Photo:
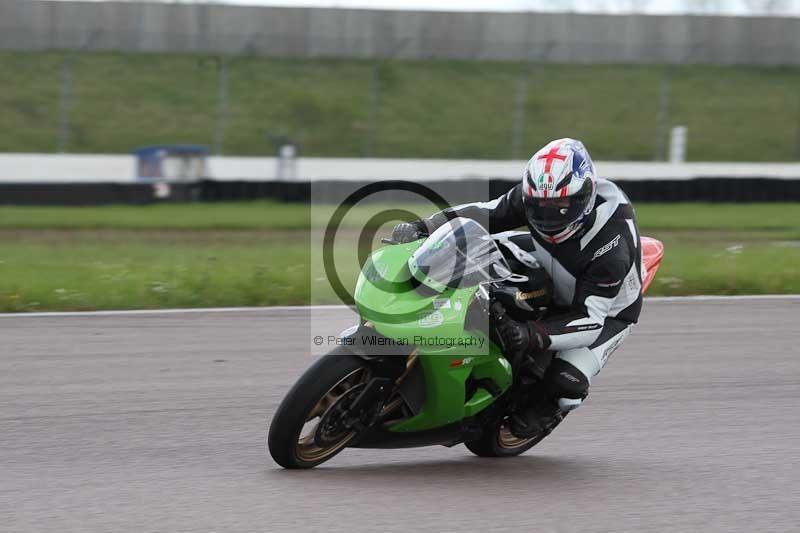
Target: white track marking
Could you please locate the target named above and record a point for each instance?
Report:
(711, 298)
(653, 299)
(176, 311)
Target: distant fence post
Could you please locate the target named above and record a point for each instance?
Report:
(532, 67)
(66, 95)
(518, 119)
(374, 97)
(662, 117)
(797, 134)
(65, 102)
(665, 99)
(372, 112)
(223, 78)
(222, 104)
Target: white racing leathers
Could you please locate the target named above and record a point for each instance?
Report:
(596, 276)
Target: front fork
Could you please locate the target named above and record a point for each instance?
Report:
(366, 409)
(385, 370)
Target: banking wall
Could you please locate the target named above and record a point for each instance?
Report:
(296, 32)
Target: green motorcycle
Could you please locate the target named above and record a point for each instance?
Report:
(423, 366)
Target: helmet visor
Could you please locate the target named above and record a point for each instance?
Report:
(553, 215)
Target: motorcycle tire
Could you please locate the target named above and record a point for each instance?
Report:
(498, 441)
(314, 395)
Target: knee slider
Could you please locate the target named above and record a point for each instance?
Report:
(566, 381)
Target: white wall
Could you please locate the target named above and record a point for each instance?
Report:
(28, 168)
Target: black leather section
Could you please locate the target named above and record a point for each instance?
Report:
(566, 381)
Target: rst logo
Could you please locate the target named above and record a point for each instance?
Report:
(606, 247)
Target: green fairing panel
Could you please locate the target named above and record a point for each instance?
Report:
(448, 354)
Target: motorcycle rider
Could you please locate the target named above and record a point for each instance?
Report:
(584, 234)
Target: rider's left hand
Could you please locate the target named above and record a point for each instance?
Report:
(407, 232)
(523, 336)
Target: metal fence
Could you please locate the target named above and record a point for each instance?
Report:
(83, 101)
(107, 77)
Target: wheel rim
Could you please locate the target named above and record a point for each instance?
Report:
(306, 448)
(507, 440)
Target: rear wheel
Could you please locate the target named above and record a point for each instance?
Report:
(309, 426)
(498, 441)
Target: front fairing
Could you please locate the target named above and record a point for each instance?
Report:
(386, 297)
(449, 354)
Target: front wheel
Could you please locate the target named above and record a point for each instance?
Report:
(308, 427)
(498, 441)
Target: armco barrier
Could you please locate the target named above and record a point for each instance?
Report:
(455, 191)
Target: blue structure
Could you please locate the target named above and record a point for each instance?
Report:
(176, 162)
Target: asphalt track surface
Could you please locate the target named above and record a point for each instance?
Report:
(138, 423)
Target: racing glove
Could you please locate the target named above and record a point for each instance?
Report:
(408, 232)
(523, 336)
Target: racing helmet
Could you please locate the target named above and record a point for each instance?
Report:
(558, 189)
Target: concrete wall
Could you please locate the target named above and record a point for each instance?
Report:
(552, 37)
(70, 168)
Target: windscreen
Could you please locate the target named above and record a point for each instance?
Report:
(459, 254)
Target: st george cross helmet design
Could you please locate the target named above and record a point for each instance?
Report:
(558, 189)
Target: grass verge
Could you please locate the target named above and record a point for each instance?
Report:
(258, 254)
(434, 108)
